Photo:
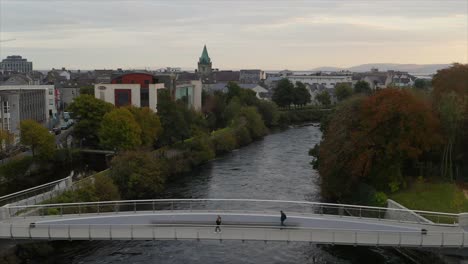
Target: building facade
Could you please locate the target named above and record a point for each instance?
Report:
(18, 103)
(327, 81)
(16, 63)
(251, 76)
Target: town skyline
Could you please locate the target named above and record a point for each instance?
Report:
(122, 34)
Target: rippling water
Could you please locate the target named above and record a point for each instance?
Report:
(275, 168)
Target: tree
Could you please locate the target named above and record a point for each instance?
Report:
(343, 91)
(323, 98)
(36, 136)
(175, 127)
(89, 113)
(369, 139)
(234, 90)
(269, 112)
(119, 130)
(213, 108)
(301, 94)
(450, 97)
(6, 139)
(138, 174)
(87, 89)
(421, 84)
(451, 117)
(252, 120)
(149, 124)
(283, 94)
(362, 87)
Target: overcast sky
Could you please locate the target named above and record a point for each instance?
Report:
(292, 34)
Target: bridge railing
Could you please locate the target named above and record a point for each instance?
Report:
(233, 205)
(233, 232)
(27, 196)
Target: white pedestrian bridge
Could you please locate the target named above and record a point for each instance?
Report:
(242, 219)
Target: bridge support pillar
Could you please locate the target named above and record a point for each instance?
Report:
(463, 219)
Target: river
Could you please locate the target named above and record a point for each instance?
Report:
(276, 167)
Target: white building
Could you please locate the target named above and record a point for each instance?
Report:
(328, 81)
(22, 102)
(190, 91)
(128, 94)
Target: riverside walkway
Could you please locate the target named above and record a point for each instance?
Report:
(242, 219)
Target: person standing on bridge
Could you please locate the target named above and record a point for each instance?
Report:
(283, 218)
(218, 224)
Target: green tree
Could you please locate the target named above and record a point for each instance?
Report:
(149, 124)
(450, 97)
(175, 127)
(301, 94)
(6, 139)
(87, 89)
(269, 112)
(138, 174)
(283, 94)
(252, 120)
(451, 116)
(323, 98)
(89, 113)
(343, 91)
(36, 136)
(421, 84)
(234, 90)
(362, 87)
(119, 130)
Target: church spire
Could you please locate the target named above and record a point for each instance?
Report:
(204, 59)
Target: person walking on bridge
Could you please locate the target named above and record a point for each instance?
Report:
(218, 224)
(283, 218)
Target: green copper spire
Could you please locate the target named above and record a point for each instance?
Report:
(204, 59)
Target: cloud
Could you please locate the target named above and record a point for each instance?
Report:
(237, 32)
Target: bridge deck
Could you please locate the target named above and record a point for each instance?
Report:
(236, 226)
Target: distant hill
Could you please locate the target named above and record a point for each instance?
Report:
(412, 68)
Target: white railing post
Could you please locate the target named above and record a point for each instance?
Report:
(153, 205)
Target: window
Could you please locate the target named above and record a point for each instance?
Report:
(123, 97)
(6, 107)
(6, 124)
(102, 95)
(51, 92)
(51, 101)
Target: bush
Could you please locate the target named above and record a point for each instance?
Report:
(243, 136)
(224, 142)
(380, 199)
(138, 174)
(201, 149)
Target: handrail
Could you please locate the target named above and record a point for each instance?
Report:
(120, 202)
(33, 188)
(38, 225)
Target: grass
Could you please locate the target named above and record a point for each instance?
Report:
(439, 197)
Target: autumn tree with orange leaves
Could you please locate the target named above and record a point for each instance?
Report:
(370, 138)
